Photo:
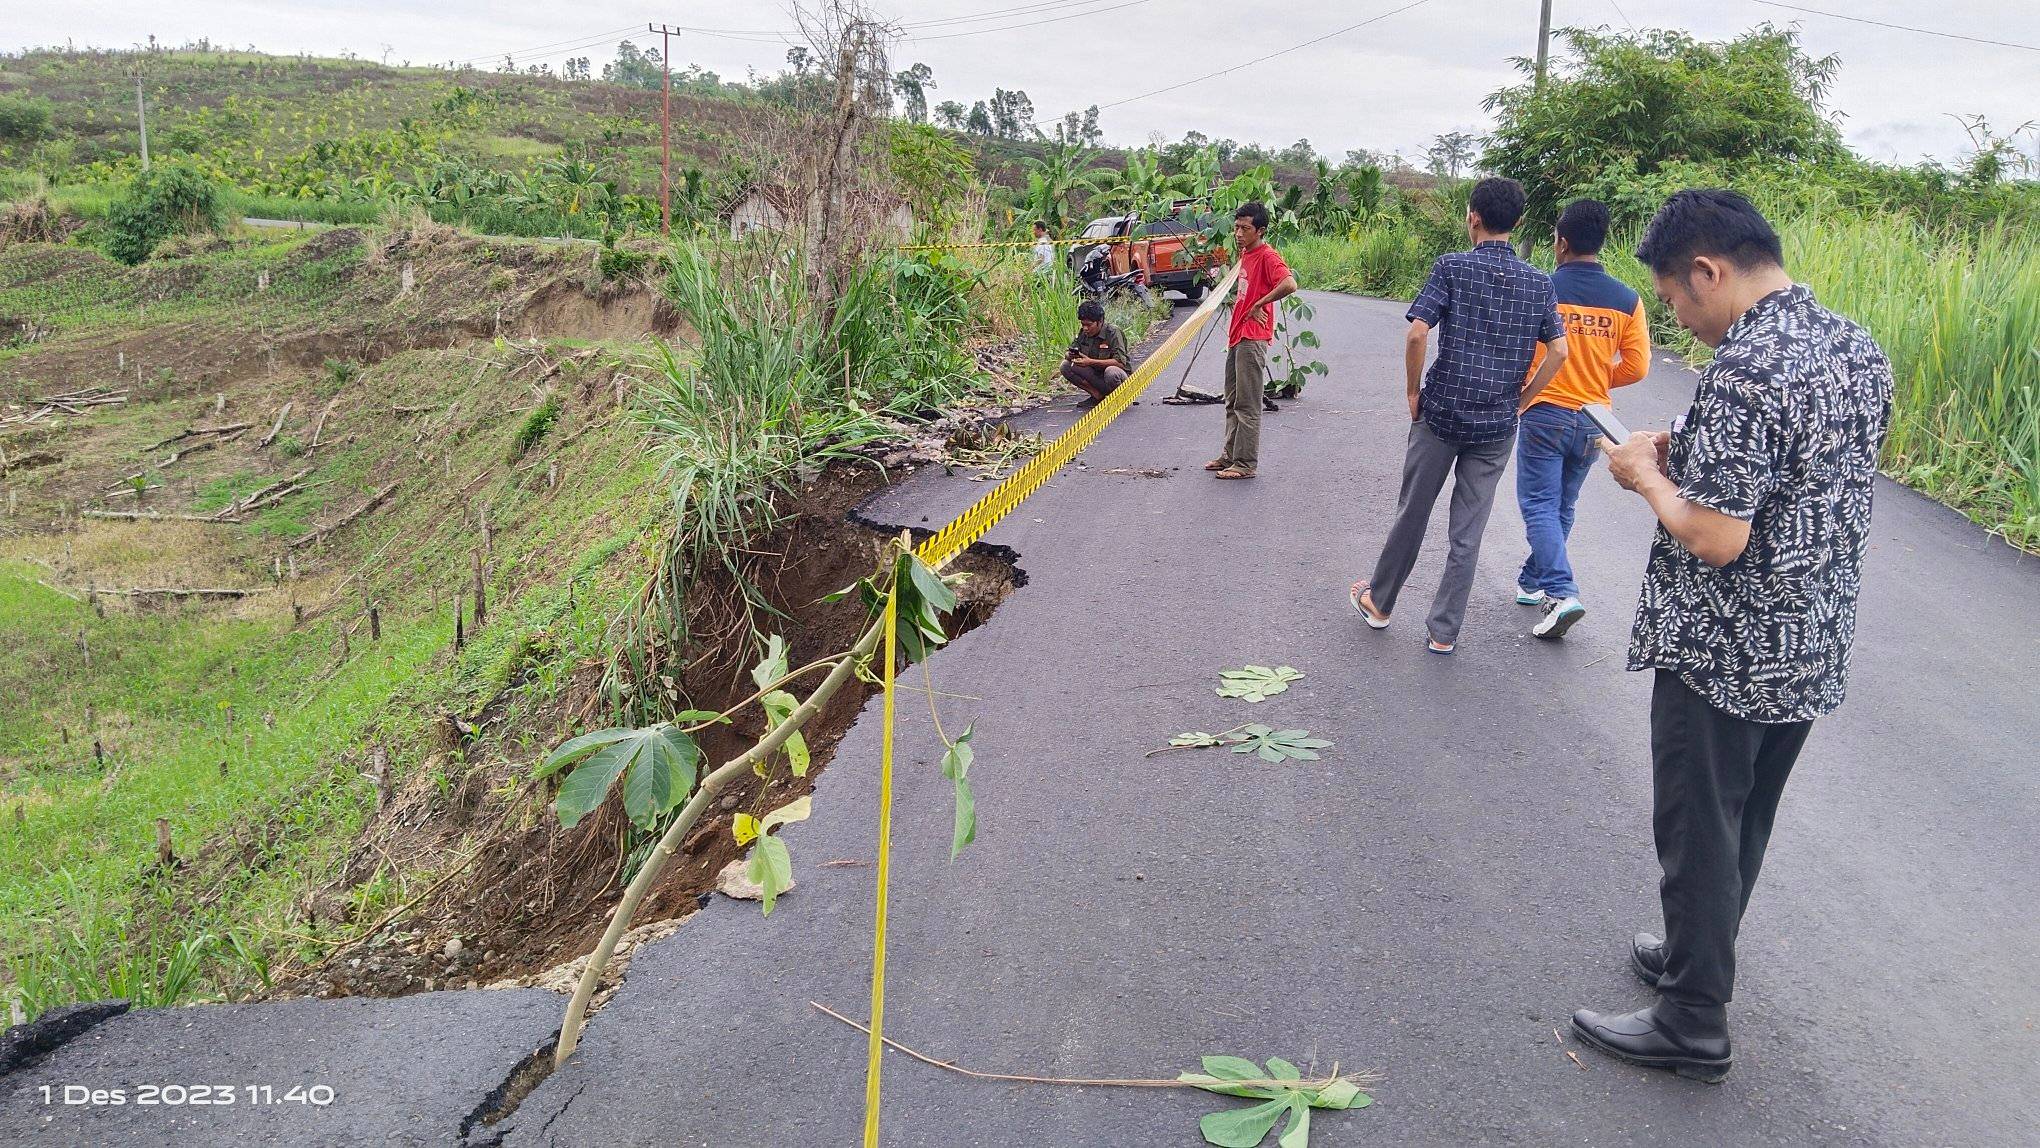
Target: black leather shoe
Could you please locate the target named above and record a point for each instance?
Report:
(1639, 1039)
(1647, 957)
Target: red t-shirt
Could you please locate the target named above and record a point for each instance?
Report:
(1260, 270)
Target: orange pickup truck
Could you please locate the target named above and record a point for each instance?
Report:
(1155, 247)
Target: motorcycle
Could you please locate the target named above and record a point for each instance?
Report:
(1096, 281)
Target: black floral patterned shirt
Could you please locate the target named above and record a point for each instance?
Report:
(1783, 433)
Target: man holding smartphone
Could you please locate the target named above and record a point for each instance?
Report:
(1096, 362)
(1748, 609)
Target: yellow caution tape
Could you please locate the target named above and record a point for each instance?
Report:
(972, 524)
(937, 552)
(885, 759)
(1079, 242)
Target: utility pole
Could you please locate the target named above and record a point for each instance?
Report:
(1543, 39)
(665, 126)
(142, 116)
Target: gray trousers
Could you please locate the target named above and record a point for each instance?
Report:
(1429, 460)
(1246, 381)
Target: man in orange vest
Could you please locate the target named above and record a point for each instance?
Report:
(1610, 341)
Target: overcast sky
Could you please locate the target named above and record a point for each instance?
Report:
(1390, 86)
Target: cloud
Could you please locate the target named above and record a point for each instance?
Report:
(1391, 86)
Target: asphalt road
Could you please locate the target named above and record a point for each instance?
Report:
(412, 1071)
(1431, 900)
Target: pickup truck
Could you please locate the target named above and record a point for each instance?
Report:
(1155, 247)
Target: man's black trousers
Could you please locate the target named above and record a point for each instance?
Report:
(1717, 779)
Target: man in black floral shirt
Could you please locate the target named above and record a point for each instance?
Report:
(1762, 493)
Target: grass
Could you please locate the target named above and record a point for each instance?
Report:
(174, 694)
(1041, 311)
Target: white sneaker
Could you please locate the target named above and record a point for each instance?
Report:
(1559, 617)
(1525, 596)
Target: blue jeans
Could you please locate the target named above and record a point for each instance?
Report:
(1554, 451)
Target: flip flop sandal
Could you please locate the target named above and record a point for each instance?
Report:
(1359, 590)
(1218, 464)
(1234, 472)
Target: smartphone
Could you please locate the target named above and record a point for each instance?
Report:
(1604, 418)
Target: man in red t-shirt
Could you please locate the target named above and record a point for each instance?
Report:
(1264, 281)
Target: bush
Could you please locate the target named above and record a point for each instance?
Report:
(619, 262)
(160, 203)
(24, 118)
(539, 421)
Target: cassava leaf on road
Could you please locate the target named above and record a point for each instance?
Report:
(1297, 1135)
(1278, 745)
(1341, 1093)
(1242, 1127)
(1256, 683)
(1201, 740)
(1281, 1090)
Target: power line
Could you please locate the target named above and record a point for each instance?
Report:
(1901, 27)
(1269, 56)
(1624, 15)
(991, 14)
(556, 46)
(1031, 23)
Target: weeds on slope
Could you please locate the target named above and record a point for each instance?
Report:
(771, 393)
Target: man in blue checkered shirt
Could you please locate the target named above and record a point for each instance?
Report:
(1491, 309)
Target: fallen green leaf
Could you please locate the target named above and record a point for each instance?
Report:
(1242, 1127)
(1277, 745)
(1256, 683)
(1297, 1135)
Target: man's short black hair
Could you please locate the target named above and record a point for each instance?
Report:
(1498, 202)
(1708, 221)
(1089, 310)
(1040, 226)
(1254, 212)
(1584, 226)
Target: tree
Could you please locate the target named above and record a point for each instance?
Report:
(1643, 100)
(912, 86)
(1055, 179)
(950, 114)
(1141, 186)
(1451, 154)
(800, 60)
(1298, 154)
(1012, 114)
(634, 69)
(1363, 188)
(1092, 132)
(980, 121)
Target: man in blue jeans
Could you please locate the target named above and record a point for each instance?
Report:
(1609, 340)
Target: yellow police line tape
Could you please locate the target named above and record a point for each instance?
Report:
(1078, 242)
(937, 551)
